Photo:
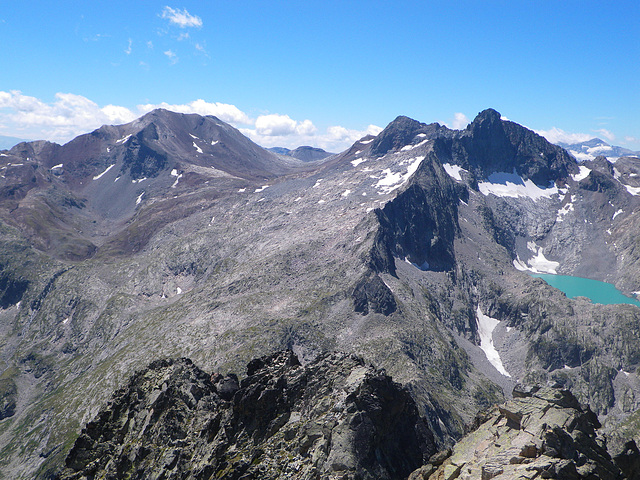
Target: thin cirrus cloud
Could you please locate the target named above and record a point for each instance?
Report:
(70, 115)
(181, 18)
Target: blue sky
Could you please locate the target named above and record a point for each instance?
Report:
(322, 73)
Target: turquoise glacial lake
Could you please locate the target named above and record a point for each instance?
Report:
(597, 292)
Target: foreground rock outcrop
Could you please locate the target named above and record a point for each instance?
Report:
(334, 418)
(542, 432)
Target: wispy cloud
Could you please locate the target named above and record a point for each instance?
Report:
(603, 132)
(172, 56)
(128, 49)
(181, 18)
(557, 135)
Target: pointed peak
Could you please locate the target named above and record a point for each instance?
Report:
(489, 115)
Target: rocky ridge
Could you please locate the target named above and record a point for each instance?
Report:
(333, 418)
(543, 432)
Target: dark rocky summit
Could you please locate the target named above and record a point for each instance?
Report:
(334, 418)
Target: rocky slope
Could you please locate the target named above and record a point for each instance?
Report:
(175, 236)
(542, 432)
(333, 418)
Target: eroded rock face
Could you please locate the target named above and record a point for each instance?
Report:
(542, 432)
(334, 418)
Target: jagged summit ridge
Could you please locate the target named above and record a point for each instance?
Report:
(333, 417)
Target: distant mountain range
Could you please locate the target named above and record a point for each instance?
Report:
(306, 154)
(8, 142)
(176, 237)
(590, 149)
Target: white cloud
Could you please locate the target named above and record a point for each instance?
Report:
(225, 112)
(460, 121)
(181, 18)
(128, 49)
(66, 117)
(274, 125)
(334, 139)
(171, 55)
(557, 135)
(70, 115)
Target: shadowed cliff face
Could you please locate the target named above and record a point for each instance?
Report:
(335, 416)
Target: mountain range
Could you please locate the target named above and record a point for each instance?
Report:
(176, 236)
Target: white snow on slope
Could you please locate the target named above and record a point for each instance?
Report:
(392, 180)
(174, 173)
(616, 214)
(123, 139)
(632, 190)
(364, 142)
(139, 199)
(198, 149)
(512, 185)
(582, 174)
(486, 326)
(537, 264)
(453, 171)
(358, 161)
(108, 168)
(563, 211)
(258, 190)
(60, 165)
(213, 142)
(411, 147)
(346, 193)
(193, 136)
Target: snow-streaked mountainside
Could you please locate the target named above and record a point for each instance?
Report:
(596, 147)
(176, 236)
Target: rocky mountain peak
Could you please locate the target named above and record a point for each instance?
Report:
(333, 417)
(403, 131)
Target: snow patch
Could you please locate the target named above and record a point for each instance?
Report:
(364, 142)
(178, 177)
(632, 190)
(563, 211)
(178, 290)
(66, 320)
(616, 214)
(393, 180)
(193, 136)
(582, 174)
(242, 190)
(108, 168)
(139, 180)
(60, 165)
(213, 142)
(512, 185)
(317, 184)
(139, 199)
(124, 139)
(346, 193)
(486, 326)
(357, 162)
(537, 264)
(411, 147)
(258, 190)
(198, 149)
(453, 171)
